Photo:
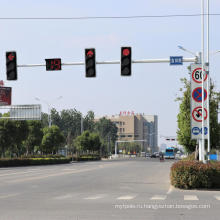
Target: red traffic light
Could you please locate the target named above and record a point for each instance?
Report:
(126, 52)
(11, 56)
(89, 53)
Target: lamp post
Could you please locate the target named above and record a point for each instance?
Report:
(49, 105)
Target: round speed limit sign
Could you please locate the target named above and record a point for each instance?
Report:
(197, 75)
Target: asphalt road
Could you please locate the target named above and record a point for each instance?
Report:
(126, 189)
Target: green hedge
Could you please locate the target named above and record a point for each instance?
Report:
(44, 160)
(56, 156)
(194, 174)
(32, 161)
(87, 158)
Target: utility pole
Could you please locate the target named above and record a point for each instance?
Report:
(203, 50)
(82, 124)
(208, 82)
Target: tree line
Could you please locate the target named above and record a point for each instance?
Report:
(70, 129)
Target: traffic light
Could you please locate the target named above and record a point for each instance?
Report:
(126, 61)
(90, 62)
(11, 65)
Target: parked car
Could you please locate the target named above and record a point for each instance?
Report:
(157, 154)
(148, 155)
(153, 155)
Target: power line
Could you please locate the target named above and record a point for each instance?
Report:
(106, 17)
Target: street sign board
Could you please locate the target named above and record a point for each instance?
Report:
(197, 113)
(197, 94)
(5, 95)
(176, 60)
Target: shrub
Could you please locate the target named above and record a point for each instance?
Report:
(32, 161)
(194, 174)
(43, 156)
(87, 158)
(190, 157)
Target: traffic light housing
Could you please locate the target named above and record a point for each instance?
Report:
(11, 65)
(53, 64)
(90, 62)
(126, 61)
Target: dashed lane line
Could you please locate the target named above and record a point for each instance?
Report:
(126, 197)
(17, 173)
(67, 196)
(56, 174)
(95, 197)
(159, 197)
(190, 197)
(9, 195)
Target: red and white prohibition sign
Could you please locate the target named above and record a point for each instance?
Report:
(197, 114)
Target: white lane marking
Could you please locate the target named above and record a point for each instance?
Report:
(127, 197)
(159, 197)
(58, 174)
(8, 174)
(170, 190)
(68, 169)
(8, 196)
(67, 196)
(217, 197)
(190, 197)
(49, 175)
(95, 197)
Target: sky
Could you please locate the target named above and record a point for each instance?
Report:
(152, 88)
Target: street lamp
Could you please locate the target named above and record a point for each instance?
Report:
(184, 49)
(49, 105)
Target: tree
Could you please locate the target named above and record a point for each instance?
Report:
(34, 137)
(20, 135)
(68, 121)
(53, 138)
(55, 118)
(107, 131)
(183, 118)
(7, 130)
(44, 119)
(89, 121)
(88, 142)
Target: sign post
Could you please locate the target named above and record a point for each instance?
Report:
(199, 105)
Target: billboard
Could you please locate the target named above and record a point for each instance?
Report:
(5, 95)
(21, 112)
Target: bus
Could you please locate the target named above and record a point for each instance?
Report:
(169, 153)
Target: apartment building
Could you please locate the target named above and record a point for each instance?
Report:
(140, 127)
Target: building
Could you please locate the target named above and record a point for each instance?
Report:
(140, 127)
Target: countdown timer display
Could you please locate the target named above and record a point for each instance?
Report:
(53, 64)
